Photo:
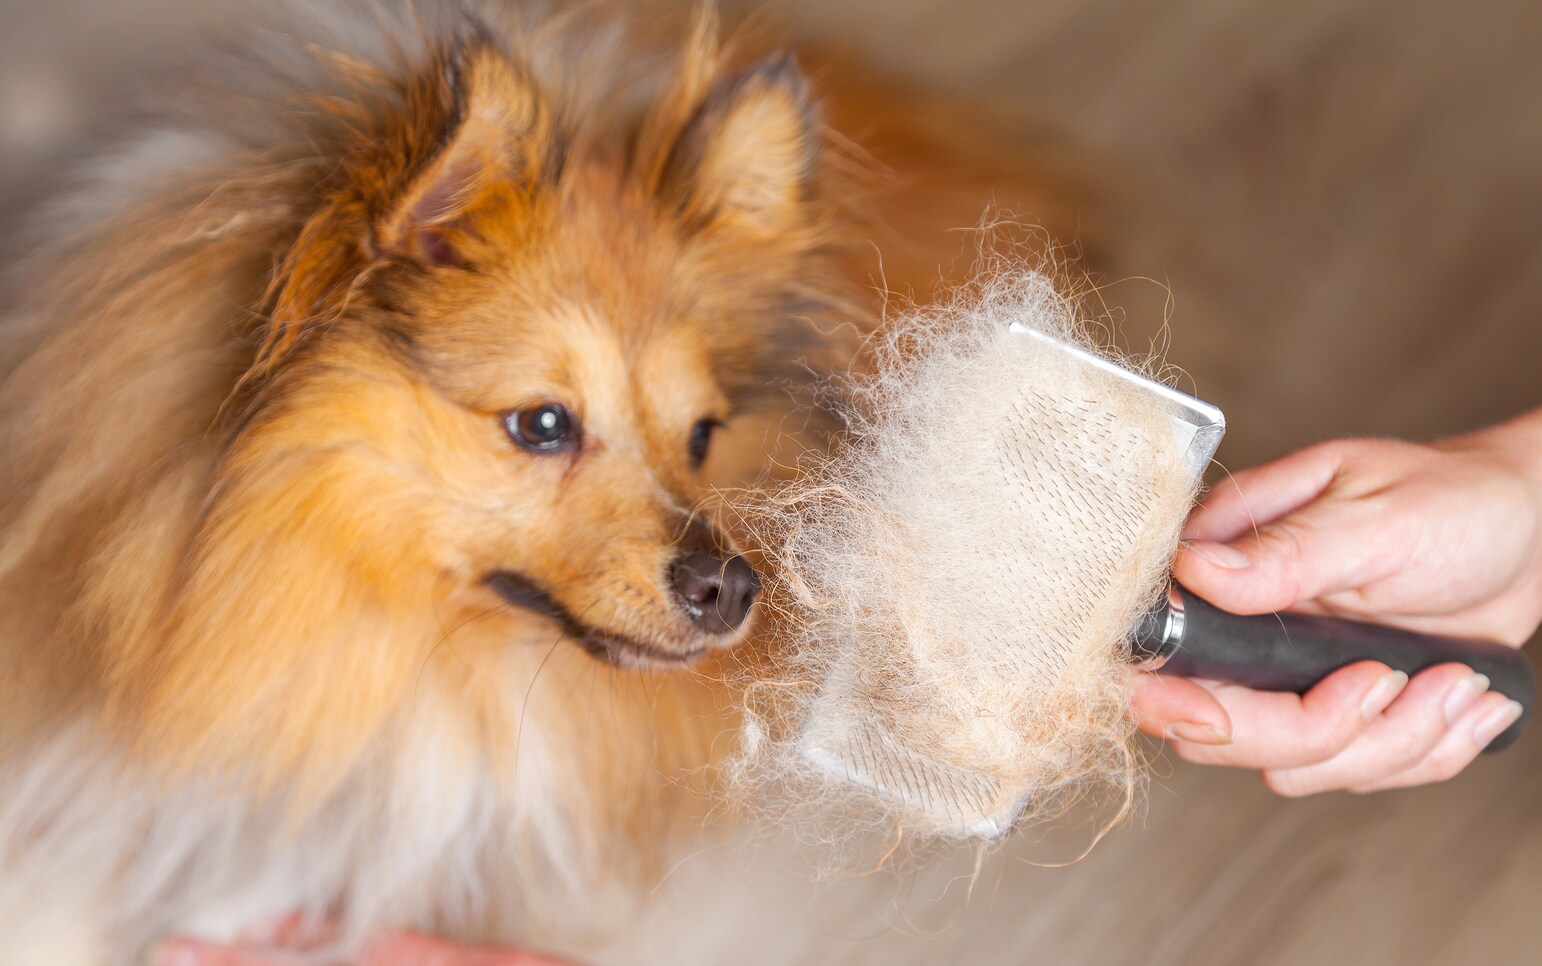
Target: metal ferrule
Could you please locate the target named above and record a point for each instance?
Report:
(1160, 632)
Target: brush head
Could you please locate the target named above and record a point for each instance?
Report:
(960, 582)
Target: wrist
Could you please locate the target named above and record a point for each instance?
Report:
(1525, 431)
(1514, 445)
(1517, 444)
(1520, 442)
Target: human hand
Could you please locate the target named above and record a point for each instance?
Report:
(1443, 538)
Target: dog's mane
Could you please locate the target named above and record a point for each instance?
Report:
(157, 292)
(138, 332)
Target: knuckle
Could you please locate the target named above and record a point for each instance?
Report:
(1284, 551)
(1287, 784)
(1287, 540)
(1336, 451)
(1444, 765)
(1328, 738)
(1342, 457)
(1406, 749)
(1353, 449)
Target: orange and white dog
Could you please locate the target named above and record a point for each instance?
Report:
(352, 440)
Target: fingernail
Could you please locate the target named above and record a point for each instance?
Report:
(1465, 695)
(1220, 554)
(1198, 732)
(1490, 725)
(1387, 687)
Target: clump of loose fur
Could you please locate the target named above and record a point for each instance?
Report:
(956, 585)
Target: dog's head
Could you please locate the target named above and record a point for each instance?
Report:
(504, 349)
(436, 379)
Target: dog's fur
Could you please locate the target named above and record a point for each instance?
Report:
(257, 489)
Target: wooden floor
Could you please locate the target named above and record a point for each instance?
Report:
(1344, 200)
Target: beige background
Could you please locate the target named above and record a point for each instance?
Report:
(1343, 198)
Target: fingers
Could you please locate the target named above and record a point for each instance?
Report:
(1363, 728)
(1311, 553)
(1266, 539)
(1465, 740)
(1346, 528)
(1398, 740)
(1274, 730)
(1172, 707)
(1256, 496)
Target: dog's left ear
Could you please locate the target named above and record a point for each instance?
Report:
(747, 158)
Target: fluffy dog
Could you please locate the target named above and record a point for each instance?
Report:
(354, 425)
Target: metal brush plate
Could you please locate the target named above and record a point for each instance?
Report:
(839, 741)
(1198, 425)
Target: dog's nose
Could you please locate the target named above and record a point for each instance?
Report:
(715, 592)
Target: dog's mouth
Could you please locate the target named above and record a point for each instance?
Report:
(618, 649)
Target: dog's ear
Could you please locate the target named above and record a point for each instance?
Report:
(747, 158)
(492, 142)
(471, 138)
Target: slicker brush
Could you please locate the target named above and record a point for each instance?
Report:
(968, 586)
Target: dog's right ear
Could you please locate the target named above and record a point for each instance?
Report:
(472, 138)
(488, 144)
(747, 158)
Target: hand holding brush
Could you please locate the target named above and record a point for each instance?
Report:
(975, 585)
(1442, 538)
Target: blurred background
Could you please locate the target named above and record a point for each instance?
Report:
(1333, 206)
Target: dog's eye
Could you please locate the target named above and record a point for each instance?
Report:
(543, 428)
(701, 438)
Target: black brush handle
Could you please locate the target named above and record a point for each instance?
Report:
(1291, 652)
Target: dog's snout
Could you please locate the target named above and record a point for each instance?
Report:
(715, 592)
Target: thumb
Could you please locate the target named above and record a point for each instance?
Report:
(1302, 556)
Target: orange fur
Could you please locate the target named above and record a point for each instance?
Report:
(253, 476)
(256, 476)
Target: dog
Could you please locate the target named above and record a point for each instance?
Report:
(359, 427)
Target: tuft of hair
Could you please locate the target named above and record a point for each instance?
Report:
(955, 586)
